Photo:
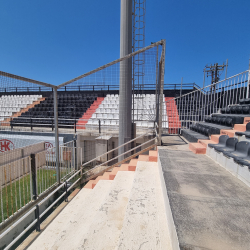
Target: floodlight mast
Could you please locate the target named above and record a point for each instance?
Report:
(125, 92)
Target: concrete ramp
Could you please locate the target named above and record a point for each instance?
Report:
(210, 207)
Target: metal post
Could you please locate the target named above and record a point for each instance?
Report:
(56, 136)
(226, 70)
(37, 215)
(125, 92)
(181, 86)
(204, 78)
(248, 80)
(162, 65)
(66, 191)
(33, 176)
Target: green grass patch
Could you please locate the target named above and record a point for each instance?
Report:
(17, 194)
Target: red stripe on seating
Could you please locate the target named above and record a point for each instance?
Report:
(90, 111)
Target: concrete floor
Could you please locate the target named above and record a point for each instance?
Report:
(210, 207)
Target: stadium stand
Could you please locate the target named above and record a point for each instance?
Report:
(12, 104)
(86, 110)
(70, 108)
(144, 111)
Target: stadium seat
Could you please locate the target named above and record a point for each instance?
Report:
(229, 147)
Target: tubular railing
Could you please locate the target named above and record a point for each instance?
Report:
(76, 125)
(91, 87)
(25, 180)
(195, 106)
(85, 173)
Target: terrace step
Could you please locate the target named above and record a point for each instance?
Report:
(197, 148)
(228, 132)
(145, 220)
(73, 220)
(105, 229)
(240, 127)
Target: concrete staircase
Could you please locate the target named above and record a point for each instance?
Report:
(174, 123)
(122, 210)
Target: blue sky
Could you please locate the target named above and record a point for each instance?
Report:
(55, 41)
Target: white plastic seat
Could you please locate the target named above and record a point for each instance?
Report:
(138, 123)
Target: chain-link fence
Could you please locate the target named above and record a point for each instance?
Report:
(36, 118)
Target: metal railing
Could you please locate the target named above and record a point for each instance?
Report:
(195, 106)
(31, 123)
(26, 179)
(87, 171)
(92, 88)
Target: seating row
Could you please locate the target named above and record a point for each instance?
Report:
(233, 156)
(9, 109)
(70, 108)
(35, 97)
(225, 120)
(236, 109)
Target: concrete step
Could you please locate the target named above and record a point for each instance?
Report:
(73, 219)
(197, 148)
(153, 156)
(228, 132)
(206, 142)
(106, 227)
(240, 127)
(143, 226)
(215, 138)
(246, 120)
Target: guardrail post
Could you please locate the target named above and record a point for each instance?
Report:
(56, 137)
(11, 124)
(37, 215)
(52, 124)
(33, 176)
(75, 125)
(66, 191)
(99, 126)
(31, 127)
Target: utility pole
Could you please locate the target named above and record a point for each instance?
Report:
(214, 72)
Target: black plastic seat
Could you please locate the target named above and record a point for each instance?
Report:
(239, 109)
(245, 109)
(245, 160)
(233, 109)
(222, 142)
(229, 147)
(227, 110)
(208, 119)
(223, 110)
(229, 122)
(241, 150)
